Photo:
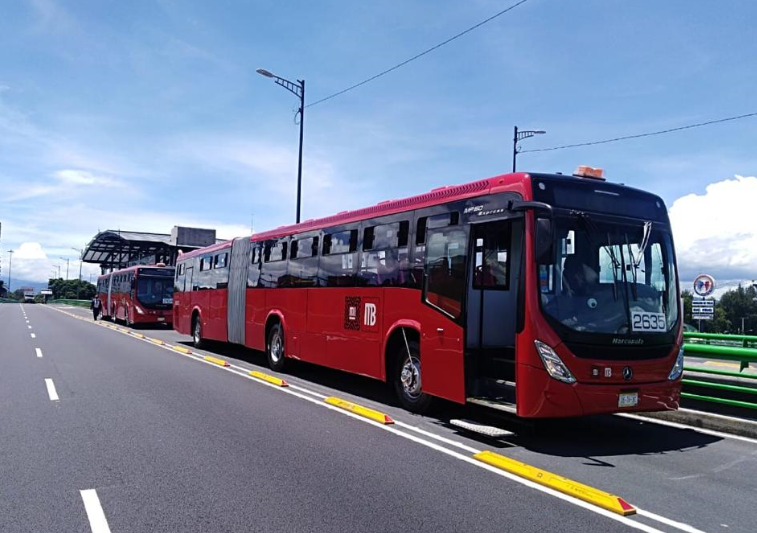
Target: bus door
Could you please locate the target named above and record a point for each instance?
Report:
(491, 320)
(187, 297)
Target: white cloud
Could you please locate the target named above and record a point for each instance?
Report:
(716, 232)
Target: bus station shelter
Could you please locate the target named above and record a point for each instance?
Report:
(114, 249)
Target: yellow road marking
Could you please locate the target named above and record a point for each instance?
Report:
(156, 341)
(216, 360)
(718, 363)
(597, 497)
(138, 335)
(181, 349)
(360, 410)
(270, 379)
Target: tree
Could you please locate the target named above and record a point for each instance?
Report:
(687, 298)
(70, 289)
(740, 307)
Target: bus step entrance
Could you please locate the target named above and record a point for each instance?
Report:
(494, 403)
(489, 431)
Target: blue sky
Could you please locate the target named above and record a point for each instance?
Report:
(144, 114)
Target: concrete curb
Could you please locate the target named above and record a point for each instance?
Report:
(712, 421)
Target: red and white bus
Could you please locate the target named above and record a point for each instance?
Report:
(138, 295)
(543, 295)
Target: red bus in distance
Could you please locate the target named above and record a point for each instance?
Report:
(138, 295)
(542, 295)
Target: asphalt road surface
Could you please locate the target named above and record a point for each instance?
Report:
(104, 431)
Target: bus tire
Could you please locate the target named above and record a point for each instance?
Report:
(407, 379)
(197, 339)
(275, 348)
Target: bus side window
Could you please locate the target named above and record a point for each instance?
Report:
(253, 273)
(338, 264)
(445, 270)
(385, 255)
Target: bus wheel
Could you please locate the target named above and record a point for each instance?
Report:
(197, 333)
(275, 348)
(407, 380)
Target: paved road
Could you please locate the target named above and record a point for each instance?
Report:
(173, 444)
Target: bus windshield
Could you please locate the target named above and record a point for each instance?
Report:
(155, 292)
(610, 277)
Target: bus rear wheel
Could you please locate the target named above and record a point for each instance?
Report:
(407, 379)
(275, 348)
(197, 333)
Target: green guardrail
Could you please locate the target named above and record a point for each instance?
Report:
(80, 303)
(8, 301)
(739, 348)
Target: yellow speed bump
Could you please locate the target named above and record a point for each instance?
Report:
(181, 349)
(597, 497)
(138, 335)
(156, 341)
(216, 360)
(270, 379)
(125, 330)
(360, 410)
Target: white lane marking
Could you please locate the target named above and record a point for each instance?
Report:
(316, 401)
(51, 390)
(684, 426)
(668, 522)
(97, 521)
(437, 437)
(33, 336)
(39, 352)
(718, 415)
(29, 327)
(27, 320)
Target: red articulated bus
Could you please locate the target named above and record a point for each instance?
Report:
(138, 294)
(542, 295)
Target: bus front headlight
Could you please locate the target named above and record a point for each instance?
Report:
(677, 369)
(554, 365)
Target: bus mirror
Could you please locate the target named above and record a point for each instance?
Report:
(544, 249)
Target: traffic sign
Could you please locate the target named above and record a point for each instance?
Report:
(704, 284)
(695, 316)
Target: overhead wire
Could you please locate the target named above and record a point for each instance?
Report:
(640, 135)
(417, 56)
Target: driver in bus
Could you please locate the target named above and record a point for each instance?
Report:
(580, 278)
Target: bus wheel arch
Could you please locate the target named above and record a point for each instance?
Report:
(275, 342)
(196, 330)
(402, 362)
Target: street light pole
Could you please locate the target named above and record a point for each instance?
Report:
(10, 269)
(297, 89)
(81, 254)
(66, 258)
(519, 136)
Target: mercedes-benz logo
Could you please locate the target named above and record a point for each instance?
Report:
(627, 373)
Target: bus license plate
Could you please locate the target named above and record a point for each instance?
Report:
(628, 399)
(161, 319)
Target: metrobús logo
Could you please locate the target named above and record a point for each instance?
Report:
(361, 314)
(704, 284)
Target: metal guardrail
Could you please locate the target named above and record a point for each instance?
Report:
(739, 348)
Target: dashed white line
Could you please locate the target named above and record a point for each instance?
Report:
(33, 336)
(51, 390)
(29, 327)
(668, 522)
(39, 352)
(97, 521)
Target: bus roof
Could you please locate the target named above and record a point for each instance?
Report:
(129, 269)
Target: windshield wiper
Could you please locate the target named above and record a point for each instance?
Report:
(644, 243)
(634, 265)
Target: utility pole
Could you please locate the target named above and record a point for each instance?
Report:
(519, 136)
(10, 268)
(297, 89)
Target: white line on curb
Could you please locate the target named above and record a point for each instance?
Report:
(97, 521)
(39, 352)
(51, 390)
